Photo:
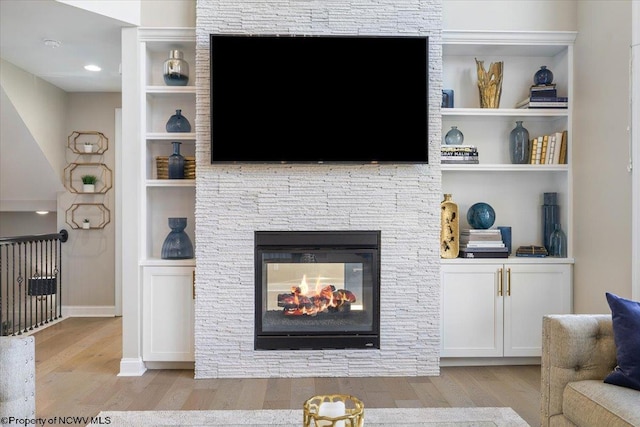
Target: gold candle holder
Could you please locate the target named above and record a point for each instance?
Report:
(314, 416)
(490, 84)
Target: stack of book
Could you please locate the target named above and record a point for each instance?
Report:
(532, 251)
(549, 149)
(459, 154)
(482, 244)
(543, 96)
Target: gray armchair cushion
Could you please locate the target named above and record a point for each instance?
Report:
(574, 348)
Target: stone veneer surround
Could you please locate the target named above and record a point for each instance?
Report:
(232, 201)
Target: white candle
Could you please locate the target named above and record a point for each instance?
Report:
(333, 409)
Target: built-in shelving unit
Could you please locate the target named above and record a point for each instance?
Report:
(168, 293)
(165, 198)
(476, 291)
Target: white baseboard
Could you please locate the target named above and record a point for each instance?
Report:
(132, 367)
(88, 311)
(488, 361)
(170, 365)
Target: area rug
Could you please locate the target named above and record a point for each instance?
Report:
(378, 417)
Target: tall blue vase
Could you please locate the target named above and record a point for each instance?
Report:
(176, 162)
(177, 244)
(550, 217)
(519, 147)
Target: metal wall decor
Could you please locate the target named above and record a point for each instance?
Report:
(97, 214)
(73, 176)
(78, 142)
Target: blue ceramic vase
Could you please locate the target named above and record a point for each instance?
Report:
(454, 136)
(176, 162)
(481, 216)
(543, 76)
(177, 244)
(178, 123)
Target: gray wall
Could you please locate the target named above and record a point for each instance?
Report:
(25, 223)
(89, 255)
(602, 203)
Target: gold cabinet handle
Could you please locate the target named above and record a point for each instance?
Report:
(499, 282)
(508, 282)
(193, 282)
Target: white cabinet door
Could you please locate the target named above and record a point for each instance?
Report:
(495, 310)
(168, 314)
(531, 292)
(471, 311)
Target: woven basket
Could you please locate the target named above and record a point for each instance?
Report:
(162, 167)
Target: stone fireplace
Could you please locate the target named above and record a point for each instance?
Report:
(401, 201)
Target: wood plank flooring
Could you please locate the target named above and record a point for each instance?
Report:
(78, 359)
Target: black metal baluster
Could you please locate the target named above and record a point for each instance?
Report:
(22, 291)
(30, 272)
(58, 280)
(29, 268)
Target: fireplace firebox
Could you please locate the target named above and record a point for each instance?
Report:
(317, 290)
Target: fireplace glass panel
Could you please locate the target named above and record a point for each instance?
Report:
(317, 290)
(317, 296)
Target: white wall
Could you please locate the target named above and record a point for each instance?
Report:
(168, 13)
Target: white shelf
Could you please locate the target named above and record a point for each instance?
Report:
(510, 260)
(171, 136)
(159, 262)
(505, 168)
(170, 90)
(170, 182)
(505, 112)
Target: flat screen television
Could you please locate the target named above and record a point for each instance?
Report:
(319, 99)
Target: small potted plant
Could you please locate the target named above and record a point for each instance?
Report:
(88, 147)
(89, 183)
(86, 224)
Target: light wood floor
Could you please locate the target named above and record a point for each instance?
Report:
(78, 359)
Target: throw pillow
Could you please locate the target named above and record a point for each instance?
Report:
(626, 335)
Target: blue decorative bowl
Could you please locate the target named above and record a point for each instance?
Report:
(481, 216)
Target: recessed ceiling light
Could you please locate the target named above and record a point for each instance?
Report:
(51, 43)
(42, 212)
(92, 67)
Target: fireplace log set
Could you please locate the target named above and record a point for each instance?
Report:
(327, 300)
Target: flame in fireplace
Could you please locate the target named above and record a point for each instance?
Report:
(324, 298)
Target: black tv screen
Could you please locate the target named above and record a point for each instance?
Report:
(358, 99)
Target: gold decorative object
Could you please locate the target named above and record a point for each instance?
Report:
(162, 167)
(97, 140)
(97, 214)
(449, 228)
(490, 84)
(73, 176)
(315, 415)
